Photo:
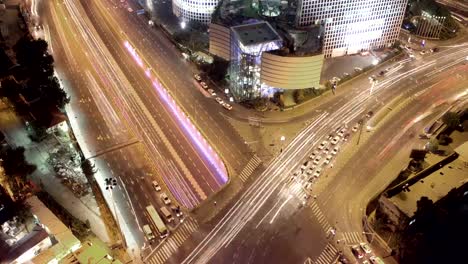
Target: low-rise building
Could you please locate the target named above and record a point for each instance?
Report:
(400, 207)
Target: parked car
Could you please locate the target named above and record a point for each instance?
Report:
(156, 186)
(315, 153)
(219, 100)
(204, 85)
(164, 198)
(355, 128)
(357, 69)
(322, 145)
(335, 150)
(177, 211)
(369, 114)
(212, 92)
(227, 106)
(317, 173)
(197, 77)
(335, 140)
(317, 160)
(357, 252)
(130, 9)
(366, 248)
(376, 260)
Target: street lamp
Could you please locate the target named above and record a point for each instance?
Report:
(183, 24)
(375, 62)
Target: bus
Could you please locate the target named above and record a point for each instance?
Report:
(157, 221)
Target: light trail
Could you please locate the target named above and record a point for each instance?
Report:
(189, 128)
(279, 209)
(238, 216)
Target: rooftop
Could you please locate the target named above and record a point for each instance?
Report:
(256, 33)
(436, 185)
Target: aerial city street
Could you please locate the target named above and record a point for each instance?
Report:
(220, 131)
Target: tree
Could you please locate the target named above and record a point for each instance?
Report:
(451, 119)
(54, 94)
(299, 96)
(433, 145)
(15, 164)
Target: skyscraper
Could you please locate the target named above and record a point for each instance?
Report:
(198, 10)
(352, 26)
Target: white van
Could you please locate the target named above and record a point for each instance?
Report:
(148, 233)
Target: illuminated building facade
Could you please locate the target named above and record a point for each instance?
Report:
(352, 26)
(197, 10)
(248, 42)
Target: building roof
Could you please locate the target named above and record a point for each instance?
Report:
(462, 150)
(36, 236)
(256, 33)
(65, 238)
(435, 186)
(90, 253)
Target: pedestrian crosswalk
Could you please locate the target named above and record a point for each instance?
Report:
(320, 217)
(170, 245)
(253, 163)
(352, 237)
(328, 255)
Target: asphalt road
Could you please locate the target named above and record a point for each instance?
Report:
(235, 225)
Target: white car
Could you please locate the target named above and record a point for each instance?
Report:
(227, 106)
(317, 160)
(328, 159)
(204, 85)
(342, 132)
(335, 140)
(130, 9)
(335, 150)
(315, 153)
(156, 186)
(197, 77)
(317, 173)
(366, 248)
(322, 145)
(219, 100)
(212, 92)
(164, 198)
(355, 128)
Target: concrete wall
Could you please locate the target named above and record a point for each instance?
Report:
(220, 41)
(291, 72)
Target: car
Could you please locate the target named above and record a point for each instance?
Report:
(212, 92)
(156, 186)
(315, 153)
(423, 136)
(328, 159)
(366, 248)
(296, 173)
(422, 52)
(376, 260)
(164, 198)
(435, 49)
(317, 160)
(357, 252)
(219, 100)
(204, 85)
(317, 173)
(357, 69)
(197, 77)
(369, 114)
(326, 150)
(227, 106)
(346, 74)
(355, 128)
(308, 186)
(310, 171)
(322, 145)
(130, 9)
(335, 140)
(342, 132)
(335, 150)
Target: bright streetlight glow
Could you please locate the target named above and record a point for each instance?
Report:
(375, 62)
(183, 24)
(283, 138)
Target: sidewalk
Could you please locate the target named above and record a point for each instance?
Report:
(44, 176)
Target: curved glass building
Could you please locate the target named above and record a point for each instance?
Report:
(198, 10)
